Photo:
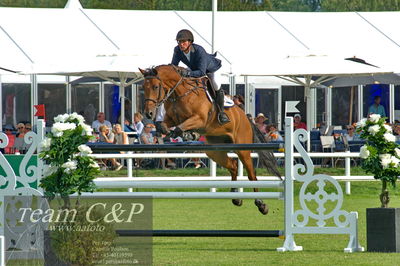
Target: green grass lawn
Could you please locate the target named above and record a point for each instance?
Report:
(222, 214)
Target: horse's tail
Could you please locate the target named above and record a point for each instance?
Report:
(265, 157)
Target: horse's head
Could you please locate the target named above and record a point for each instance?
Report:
(154, 92)
(159, 83)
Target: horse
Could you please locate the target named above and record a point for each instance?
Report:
(188, 109)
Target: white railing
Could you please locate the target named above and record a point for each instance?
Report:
(110, 182)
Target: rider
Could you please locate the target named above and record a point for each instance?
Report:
(200, 63)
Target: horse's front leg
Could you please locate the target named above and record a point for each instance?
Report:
(193, 123)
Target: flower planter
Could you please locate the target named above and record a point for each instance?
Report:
(383, 229)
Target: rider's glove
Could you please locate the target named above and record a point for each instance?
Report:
(185, 73)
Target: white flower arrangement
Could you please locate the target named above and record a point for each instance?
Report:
(364, 152)
(45, 144)
(65, 151)
(85, 150)
(69, 166)
(381, 154)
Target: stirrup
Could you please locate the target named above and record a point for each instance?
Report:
(223, 118)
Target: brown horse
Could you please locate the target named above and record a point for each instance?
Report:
(188, 109)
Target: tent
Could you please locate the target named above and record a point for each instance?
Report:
(312, 71)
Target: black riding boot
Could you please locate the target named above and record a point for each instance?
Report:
(222, 116)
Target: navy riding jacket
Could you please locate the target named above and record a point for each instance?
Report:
(200, 63)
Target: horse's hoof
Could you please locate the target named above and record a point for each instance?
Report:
(262, 207)
(237, 202)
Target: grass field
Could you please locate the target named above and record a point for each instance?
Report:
(221, 214)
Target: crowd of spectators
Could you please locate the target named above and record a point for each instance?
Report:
(146, 131)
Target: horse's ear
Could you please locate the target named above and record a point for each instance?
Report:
(142, 71)
(154, 72)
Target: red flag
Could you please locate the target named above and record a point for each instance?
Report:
(40, 110)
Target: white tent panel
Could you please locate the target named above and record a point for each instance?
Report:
(53, 34)
(344, 34)
(149, 33)
(244, 37)
(11, 57)
(388, 23)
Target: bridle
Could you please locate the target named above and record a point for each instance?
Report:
(160, 101)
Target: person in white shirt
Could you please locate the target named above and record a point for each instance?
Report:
(137, 123)
(101, 120)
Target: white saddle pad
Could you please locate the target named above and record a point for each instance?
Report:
(227, 102)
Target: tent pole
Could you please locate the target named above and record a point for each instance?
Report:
(214, 17)
(307, 97)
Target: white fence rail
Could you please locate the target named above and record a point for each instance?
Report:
(117, 182)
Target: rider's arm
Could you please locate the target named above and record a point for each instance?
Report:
(201, 64)
(175, 58)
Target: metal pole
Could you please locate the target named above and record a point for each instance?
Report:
(347, 173)
(213, 173)
(240, 172)
(214, 14)
(129, 166)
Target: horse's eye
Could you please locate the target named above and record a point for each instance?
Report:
(155, 87)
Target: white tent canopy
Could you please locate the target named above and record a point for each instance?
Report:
(312, 71)
(245, 40)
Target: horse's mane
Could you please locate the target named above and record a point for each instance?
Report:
(153, 70)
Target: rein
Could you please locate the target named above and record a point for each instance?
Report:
(159, 102)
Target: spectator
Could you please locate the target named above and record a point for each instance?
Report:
(21, 130)
(351, 134)
(238, 100)
(137, 123)
(108, 137)
(260, 123)
(101, 120)
(120, 137)
(147, 137)
(105, 134)
(297, 122)
(377, 108)
(273, 134)
(11, 139)
(128, 127)
(28, 127)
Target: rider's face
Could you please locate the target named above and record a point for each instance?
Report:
(184, 45)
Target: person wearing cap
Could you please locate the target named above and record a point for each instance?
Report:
(200, 63)
(297, 122)
(260, 119)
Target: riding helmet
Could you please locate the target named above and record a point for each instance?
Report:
(184, 35)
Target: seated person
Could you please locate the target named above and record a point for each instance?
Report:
(11, 139)
(105, 134)
(273, 134)
(137, 123)
(147, 137)
(101, 120)
(298, 123)
(120, 137)
(260, 123)
(351, 134)
(108, 137)
(128, 127)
